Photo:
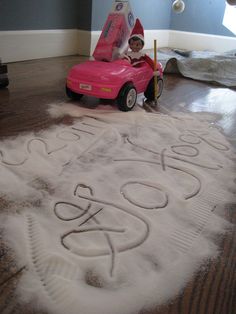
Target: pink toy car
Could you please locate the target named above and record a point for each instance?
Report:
(113, 80)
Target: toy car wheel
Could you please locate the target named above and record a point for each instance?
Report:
(149, 92)
(127, 97)
(72, 95)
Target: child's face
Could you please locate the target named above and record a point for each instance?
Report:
(135, 45)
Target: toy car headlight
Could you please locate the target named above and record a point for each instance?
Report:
(106, 89)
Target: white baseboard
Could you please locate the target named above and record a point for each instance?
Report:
(84, 42)
(198, 41)
(181, 40)
(175, 39)
(36, 44)
(94, 39)
(162, 37)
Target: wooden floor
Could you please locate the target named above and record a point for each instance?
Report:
(35, 84)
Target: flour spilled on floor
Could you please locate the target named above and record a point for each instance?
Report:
(116, 212)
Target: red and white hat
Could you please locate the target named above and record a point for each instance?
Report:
(137, 30)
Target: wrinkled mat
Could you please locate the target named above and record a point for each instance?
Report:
(206, 66)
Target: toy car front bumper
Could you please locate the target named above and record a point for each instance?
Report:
(96, 89)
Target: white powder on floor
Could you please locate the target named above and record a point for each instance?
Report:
(114, 213)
